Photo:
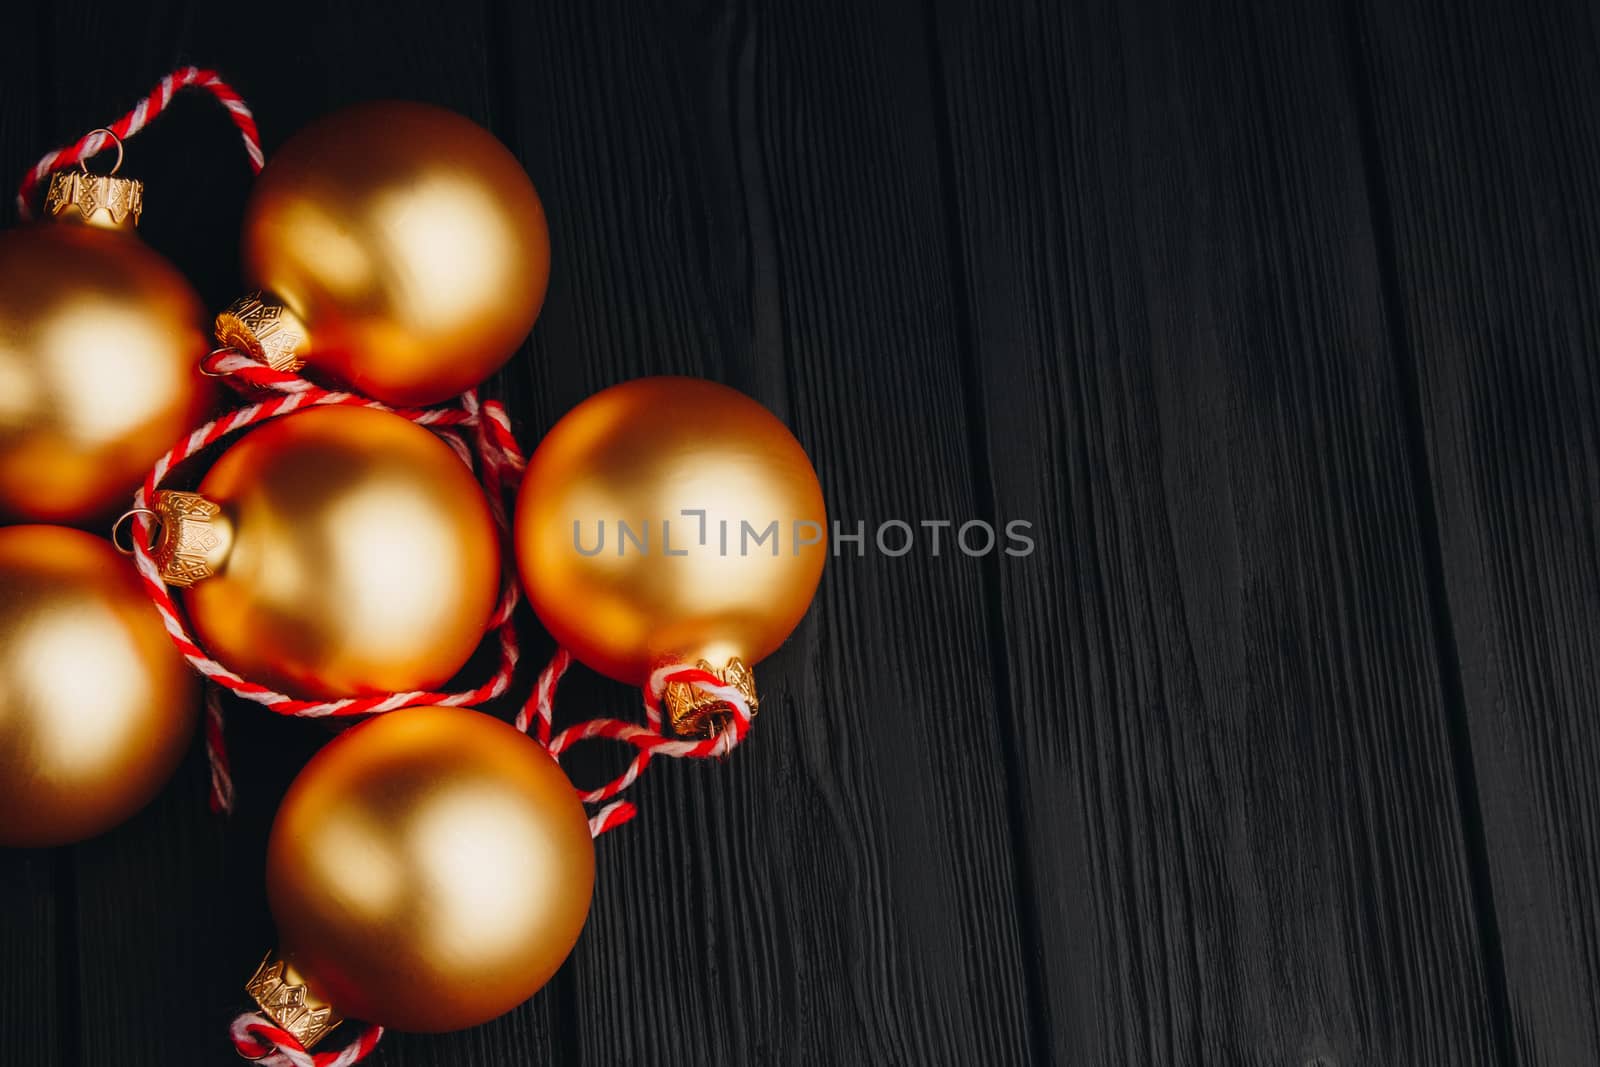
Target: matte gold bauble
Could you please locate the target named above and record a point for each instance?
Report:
(99, 345)
(429, 870)
(96, 705)
(407, 246)
(670, 519)
(335, 552)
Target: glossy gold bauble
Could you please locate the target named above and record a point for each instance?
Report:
(351, 552)
(429, 870)
(653, 454)
(99, 343)
(408, 242)
(96, 705)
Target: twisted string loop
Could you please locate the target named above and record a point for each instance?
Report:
(145, 111)
(498, 460)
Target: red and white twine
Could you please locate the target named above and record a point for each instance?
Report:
(480, 432)
(499, 465)
(91, 144)
(255, 1037)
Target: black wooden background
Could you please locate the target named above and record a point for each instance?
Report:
(1276, 319)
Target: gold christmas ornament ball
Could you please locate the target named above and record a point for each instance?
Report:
(96, 705)
(99, 346)
(670, 519)
(429, 870)
(334, 552)
(408, 242)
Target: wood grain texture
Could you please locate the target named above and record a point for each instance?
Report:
(1227, 720)
(1489, 144)
(35, 932)
(739, 191)
(1274, 320)
(39, 986)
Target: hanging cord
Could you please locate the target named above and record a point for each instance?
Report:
(538, 716)
(146, 110)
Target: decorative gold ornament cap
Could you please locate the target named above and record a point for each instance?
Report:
(97, 199)
(282, 993)
(263, 328)
(193, 539)
(697, 714)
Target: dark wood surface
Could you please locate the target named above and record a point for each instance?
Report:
(1276, 320)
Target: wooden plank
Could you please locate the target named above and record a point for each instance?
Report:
(39, 990)
(743, 193)
(150, 915)
(1227, 718)
(1488, 164)
(35, 1013)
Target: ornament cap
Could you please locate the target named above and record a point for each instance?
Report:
(282, 993)
(697, 714)
(258, 325)
(194, 537)
(104, 200)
